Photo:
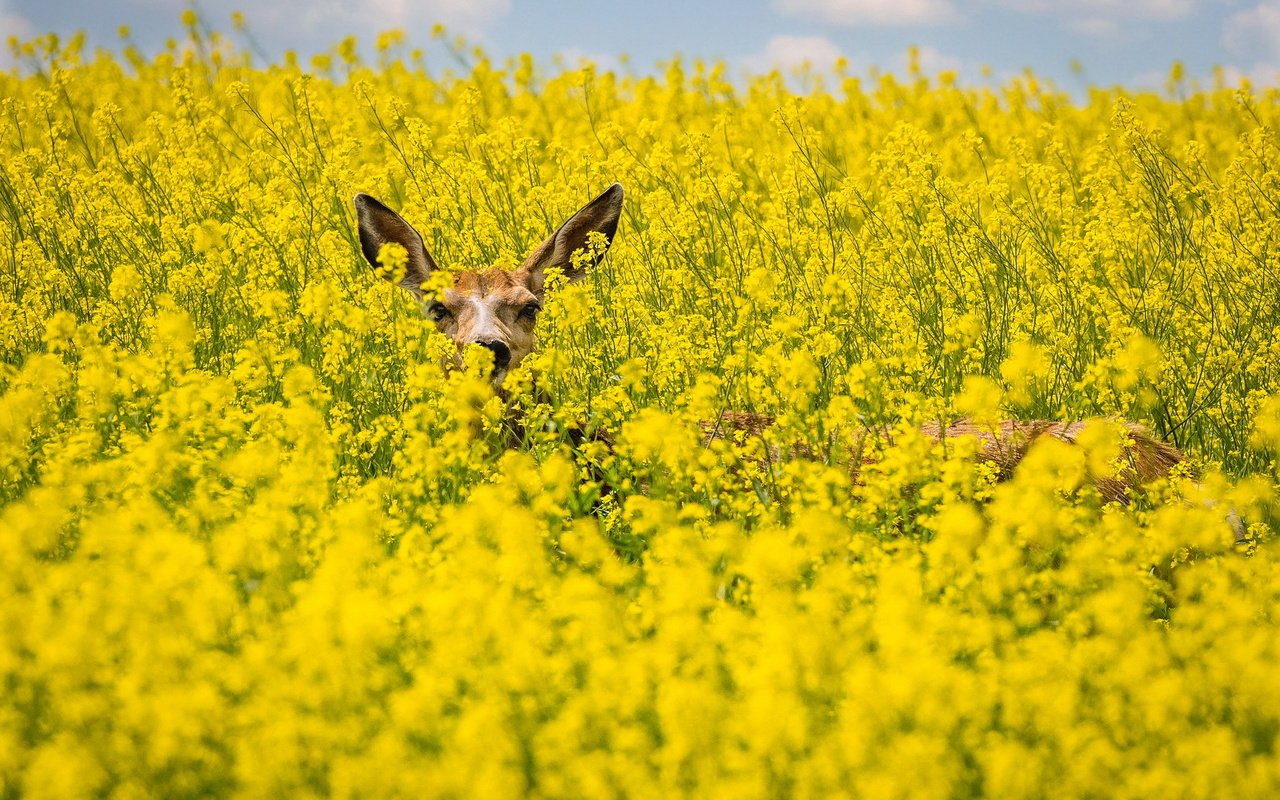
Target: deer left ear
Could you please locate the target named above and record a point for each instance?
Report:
(600, 215)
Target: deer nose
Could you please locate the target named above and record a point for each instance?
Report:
(501, 354)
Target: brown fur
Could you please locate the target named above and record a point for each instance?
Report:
(1005, 444)
(490, 281)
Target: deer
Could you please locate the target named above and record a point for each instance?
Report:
(494, 308)
(498, 309)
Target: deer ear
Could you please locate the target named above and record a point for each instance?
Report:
(380, 225)
(600, 215)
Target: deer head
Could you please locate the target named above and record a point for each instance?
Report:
(494, 308)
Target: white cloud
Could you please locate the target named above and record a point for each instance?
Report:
(1106, 19)
(332, 18)
(1254, 33)
(1258, 75)
(818, 54)
(1152, 80)
(415, 17)
(872, 12)
(12, 24)
(1100, 27)
(793, 52)
(932, 61)
(576, 57)
(1101, 10)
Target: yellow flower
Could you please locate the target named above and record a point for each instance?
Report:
(1266, 425)
(255, 540)
(980, 399)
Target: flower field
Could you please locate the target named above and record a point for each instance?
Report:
(255, 541)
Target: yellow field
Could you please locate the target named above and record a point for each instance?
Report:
(254, 541)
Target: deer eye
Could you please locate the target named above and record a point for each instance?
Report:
(437, 311)
(529, 311)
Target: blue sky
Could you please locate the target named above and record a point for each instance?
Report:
(1129, 42)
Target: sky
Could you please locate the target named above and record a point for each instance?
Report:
(1072, 43)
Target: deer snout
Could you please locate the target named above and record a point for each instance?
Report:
(501, 354)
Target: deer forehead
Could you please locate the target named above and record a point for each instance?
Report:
(488, 291)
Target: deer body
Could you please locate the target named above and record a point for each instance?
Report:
(1004, 444)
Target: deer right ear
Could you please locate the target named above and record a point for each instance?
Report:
(599, 216)
(380, 225)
